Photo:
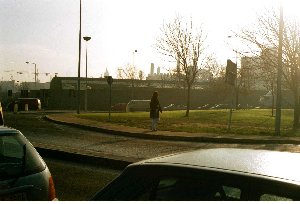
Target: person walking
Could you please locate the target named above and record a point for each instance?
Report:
(154, 110)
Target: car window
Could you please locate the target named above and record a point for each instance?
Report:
(232, 193)
(189, 189)
(17, 157)
(11, 155)
(270, 197)
(194, 185)
(129, 187)
(150, 186)
(272, 190)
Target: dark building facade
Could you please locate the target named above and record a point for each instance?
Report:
(63, 93)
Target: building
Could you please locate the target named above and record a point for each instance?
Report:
(203, 76)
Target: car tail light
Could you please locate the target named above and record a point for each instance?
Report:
(51, 193)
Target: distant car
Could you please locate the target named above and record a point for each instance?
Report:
(174, 107)
(1, 116)
(119, 107)
(23, 173)
(220, 106)
(31, 103)
(222, 174)
(138, 105)
(204, 107)
(169, 107)
(181, 107)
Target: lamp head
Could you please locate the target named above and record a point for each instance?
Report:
(86, 38)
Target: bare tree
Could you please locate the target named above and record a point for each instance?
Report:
(141, 75)
(129, 72)
(269, 72)
(264, 37)
(214, 67)
(120, 74)
(184, 45)
(216, 84)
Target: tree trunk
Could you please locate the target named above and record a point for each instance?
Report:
(188, 101)
(296, 109)
(237, 98)
(273, 100)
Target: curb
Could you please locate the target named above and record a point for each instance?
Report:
(92, 159)
(206, 139)
(83, 159)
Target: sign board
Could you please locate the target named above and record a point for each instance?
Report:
(231, 73)
(109, 80)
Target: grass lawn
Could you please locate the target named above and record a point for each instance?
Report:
(244, 122)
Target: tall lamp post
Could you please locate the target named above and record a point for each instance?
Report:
(79, 53)
(279, 74)
(86, 38)
(132, 74)
(35, 72)
(133, 57)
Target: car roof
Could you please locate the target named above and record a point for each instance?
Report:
(281, 165)
(5, 129)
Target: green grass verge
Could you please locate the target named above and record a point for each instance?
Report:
(244, 122)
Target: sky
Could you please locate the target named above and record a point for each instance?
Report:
(46, 32)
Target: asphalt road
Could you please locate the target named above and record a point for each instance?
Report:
(38, 130)
(78, 182)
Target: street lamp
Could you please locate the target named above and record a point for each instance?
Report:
(236, 52)
(133, 57)
(133, 71)
(79, 53)
(279, 74)
(35, 72)
(86, 38)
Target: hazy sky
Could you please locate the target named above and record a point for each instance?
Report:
(46, 32)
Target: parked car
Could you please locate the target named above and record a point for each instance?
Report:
(1, 116)
(220, 106)
(222, 174)
(174, 107)
(138, 105)
(23, 173)
(204, 107)
(181, 107)
(32, 104)
(169, 107)
(119, 107)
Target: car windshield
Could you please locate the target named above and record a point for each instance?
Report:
(17, 157)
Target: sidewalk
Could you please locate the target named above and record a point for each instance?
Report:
(70, 119)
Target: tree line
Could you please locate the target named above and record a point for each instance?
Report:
(185, 45)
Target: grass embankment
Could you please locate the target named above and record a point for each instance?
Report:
(244, 122)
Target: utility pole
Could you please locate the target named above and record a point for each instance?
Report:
(279, 75)
(35, 73)
(78, 80)
(86, 38)
(109, 82)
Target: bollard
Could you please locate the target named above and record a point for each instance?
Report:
(15, 108)
(26, 107)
